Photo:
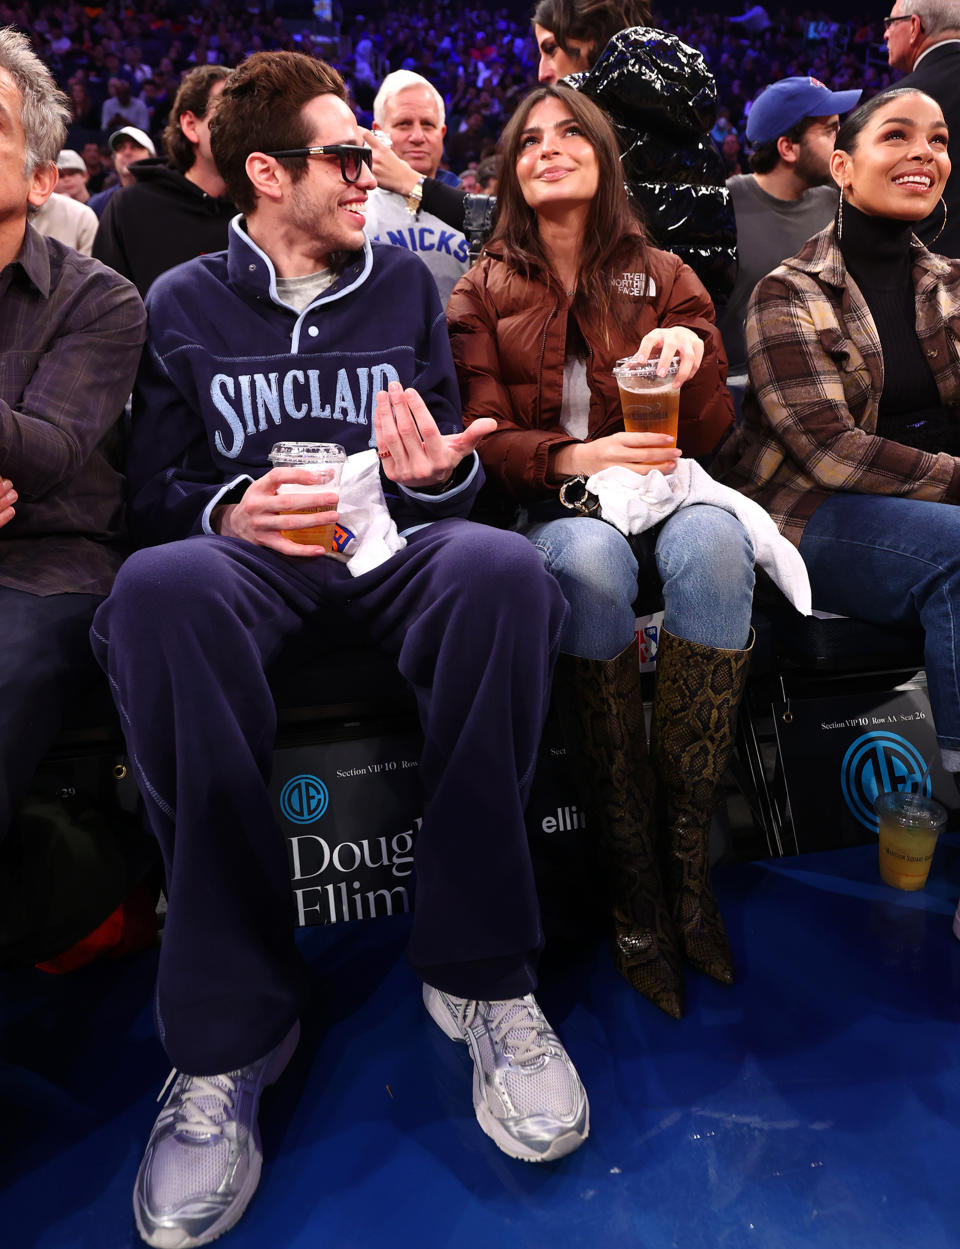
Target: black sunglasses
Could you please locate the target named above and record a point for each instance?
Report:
(352, 157)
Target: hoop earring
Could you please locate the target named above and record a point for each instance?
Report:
(840, 218)
(943, 223)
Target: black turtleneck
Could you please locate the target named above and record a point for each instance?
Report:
(876, 252)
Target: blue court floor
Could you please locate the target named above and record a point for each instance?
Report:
(816, 1104)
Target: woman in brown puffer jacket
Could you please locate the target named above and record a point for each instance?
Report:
(568, 285)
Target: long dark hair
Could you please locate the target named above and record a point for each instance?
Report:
(593, 21)
(611, 228)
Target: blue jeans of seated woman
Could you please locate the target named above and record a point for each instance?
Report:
(897, 562)
(705, 560)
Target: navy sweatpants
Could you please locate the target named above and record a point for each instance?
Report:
(474, 622)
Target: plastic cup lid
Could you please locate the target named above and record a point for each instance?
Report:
(293, 453)
(911, 810)
(648, 369)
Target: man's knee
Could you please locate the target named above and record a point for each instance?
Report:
(162, 587)
(496, 567)
(480, 553)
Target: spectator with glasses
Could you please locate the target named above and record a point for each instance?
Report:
(923, 40)
(303, 329)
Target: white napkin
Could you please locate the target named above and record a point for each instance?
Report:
(369, 531)
(634, 502)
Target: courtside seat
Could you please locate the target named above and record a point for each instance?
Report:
(84, 804)
(91, 726)
(830, 644)
(806, 658)
(314, 688)
(325, 688)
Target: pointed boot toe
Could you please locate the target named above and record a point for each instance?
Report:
(703, 937)
(706, 954)
(651, 966)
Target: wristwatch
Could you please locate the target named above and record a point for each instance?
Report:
(415, 197)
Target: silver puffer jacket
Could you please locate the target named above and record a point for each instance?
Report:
(660, 96)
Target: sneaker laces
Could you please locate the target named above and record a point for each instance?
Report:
(190, 1116)
(515, 1020)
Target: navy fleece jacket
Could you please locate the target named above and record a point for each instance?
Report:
(229, 370)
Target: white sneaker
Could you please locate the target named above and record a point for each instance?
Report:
(202, 1163)
(526, 1092)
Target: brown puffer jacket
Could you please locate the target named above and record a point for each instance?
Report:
(509, 337)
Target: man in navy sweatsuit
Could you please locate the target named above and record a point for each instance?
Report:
(303, 331)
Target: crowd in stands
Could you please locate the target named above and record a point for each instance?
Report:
(122, 66)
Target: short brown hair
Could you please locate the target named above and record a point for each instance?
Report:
(766, 156)
(193, 96)
(262, 111)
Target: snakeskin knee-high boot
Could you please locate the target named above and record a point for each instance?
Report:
(695, 705)
(602, 709)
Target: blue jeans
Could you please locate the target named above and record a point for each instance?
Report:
(897, 562)
(705, 561)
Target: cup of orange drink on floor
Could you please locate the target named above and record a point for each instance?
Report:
(909, 826)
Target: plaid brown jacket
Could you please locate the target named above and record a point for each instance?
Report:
(816, 377)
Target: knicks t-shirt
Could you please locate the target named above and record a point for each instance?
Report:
(442, 249)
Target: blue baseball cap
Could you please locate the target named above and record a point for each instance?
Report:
(785, 103)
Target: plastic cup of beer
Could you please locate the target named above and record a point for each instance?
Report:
(651, 404)
(909, 827)
(324, 458)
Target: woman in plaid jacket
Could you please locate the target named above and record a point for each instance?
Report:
(851, 433)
